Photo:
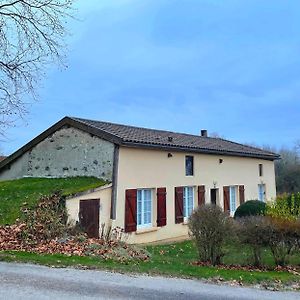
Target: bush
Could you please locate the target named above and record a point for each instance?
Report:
(254, 231)
(45, 221)
(210, 226)
(284, 219)
(250, 208)
(283, 238)
(285, 207)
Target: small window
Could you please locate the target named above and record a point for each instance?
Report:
(260, 169)
(188, 201)
(189, 165)
(144, 208)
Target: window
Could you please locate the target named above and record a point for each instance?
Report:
(144, 208)
(262, 192)
(260, 169)
(232, 199)
(189, 165)
(188, 201)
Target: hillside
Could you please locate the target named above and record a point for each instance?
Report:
(14, 193)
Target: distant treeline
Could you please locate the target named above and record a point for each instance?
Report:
(287, 169)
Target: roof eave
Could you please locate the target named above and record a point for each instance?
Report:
(199, 150)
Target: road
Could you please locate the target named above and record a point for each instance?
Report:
(25, 281)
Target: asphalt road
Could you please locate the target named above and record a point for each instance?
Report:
(24, 281)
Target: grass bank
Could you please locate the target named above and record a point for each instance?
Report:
(13, 193)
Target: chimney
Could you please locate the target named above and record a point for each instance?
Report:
(204, 132)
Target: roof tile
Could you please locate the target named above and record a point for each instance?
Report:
(160, 138)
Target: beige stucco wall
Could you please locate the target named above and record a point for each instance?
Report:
(103, 193)
(143, 168)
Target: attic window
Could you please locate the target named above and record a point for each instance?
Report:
(189, 165)
(260, 169)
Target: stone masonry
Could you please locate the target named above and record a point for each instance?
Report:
(67, 152)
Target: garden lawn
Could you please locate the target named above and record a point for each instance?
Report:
(168, 260)
(14, 193)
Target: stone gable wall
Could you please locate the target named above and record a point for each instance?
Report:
(67, 152)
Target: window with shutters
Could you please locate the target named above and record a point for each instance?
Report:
(188, 201)
(232, 199)
(189, 165)
(144, 208)
(262, 192)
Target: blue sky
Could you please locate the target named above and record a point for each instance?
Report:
(231, 67)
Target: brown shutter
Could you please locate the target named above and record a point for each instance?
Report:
(242, 194)
(201, 195)
(178, 204)
(226, 198)
(130, 210)
(161, 207)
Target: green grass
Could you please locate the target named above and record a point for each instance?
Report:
(14, 193)
(168, 260)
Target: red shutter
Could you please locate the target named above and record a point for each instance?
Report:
(130, 210)
(226, 198)
(178, 204)
(161, 207)
(242, 194)
(201, 195)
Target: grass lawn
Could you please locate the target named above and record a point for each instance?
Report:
(14, 193)
(169, 260)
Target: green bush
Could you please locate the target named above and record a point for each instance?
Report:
(285, 207)
(250, 208)
(210, 227)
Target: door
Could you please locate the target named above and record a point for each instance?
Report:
(213, 196)
(89, 217)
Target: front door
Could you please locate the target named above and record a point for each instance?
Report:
(89, 217)
(213, 196)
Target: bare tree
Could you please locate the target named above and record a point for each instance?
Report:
(32, 36)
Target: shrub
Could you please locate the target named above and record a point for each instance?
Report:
(285, 207)
(45, 221)
(284, 219)
(283, 238)
(250, 208)
(254, 231)
(210, 226)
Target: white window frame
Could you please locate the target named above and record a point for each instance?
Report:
(232, 199)
(186, 197)
(262, 193)
(141, 205)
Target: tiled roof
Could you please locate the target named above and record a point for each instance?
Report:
(131, 136)
(144, 137)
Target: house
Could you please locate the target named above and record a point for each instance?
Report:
(155, 178)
